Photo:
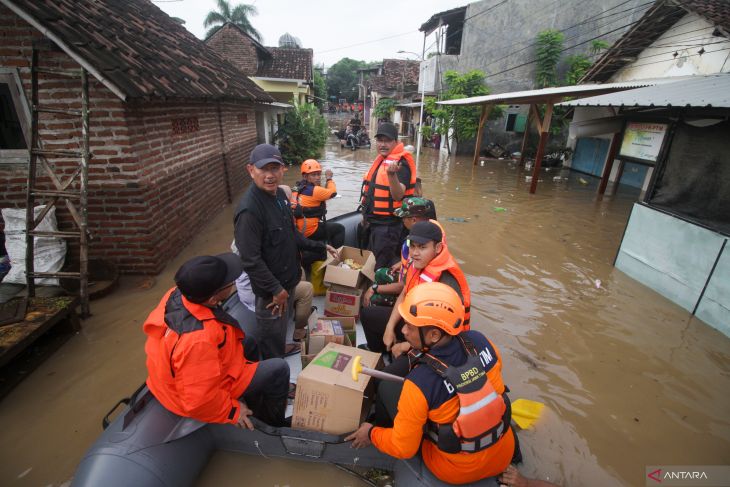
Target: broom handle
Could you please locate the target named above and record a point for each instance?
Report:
(381, 375)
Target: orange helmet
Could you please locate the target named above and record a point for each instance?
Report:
(433, 304)
(310, 165)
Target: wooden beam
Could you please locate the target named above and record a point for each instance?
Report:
(545, 125)
(536, 118)
(608, 165)
(619, 174)
(525, 136)
(486, 108)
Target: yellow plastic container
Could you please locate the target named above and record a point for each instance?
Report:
(317, 277)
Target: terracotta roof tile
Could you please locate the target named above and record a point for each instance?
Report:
(287, 63)
(658, 19)
(398, 75)
(139, 49)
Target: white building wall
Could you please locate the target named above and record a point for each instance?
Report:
(688, 35)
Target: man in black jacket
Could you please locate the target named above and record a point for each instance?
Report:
(269, 245)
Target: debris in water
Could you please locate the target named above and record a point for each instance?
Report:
(528, 179)
(25, 473)
(582, 181)
(456, 219)
(598, 284)
(499, 209)
(557, 178)
(457, 188)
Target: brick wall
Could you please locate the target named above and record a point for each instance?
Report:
(236, 48)
(158, 171)
(186, 178)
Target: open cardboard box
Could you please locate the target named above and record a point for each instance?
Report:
(320, 332)
(327, 398)
(334, 274)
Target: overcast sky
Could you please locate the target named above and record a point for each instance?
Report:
(354, 29)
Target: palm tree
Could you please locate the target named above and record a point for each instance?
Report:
(237, 15)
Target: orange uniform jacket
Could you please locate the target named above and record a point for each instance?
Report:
(312, 196)
(195, 360)
(425, 396)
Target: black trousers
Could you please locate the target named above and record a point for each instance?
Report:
(374, 319)
(332, 233)
(385, 242)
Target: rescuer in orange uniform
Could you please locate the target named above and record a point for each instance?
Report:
(196, 361)
(309, 205)
(453, 405)
(391, 177)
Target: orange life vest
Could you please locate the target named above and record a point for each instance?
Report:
(484, 412)
(308, 205)
(432, 272)
(377, 199)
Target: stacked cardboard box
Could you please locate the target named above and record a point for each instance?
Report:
(346, 285)
(328, 399)
(322, 331)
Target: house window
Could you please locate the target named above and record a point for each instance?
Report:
(14, 120)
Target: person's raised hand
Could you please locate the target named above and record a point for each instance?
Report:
(328, 174)
(393, 167)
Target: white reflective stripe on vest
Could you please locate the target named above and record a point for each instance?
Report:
(479, 404)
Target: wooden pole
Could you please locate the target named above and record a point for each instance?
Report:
(544, 133)
(619, 173)
(608, 165)
(525, 137)
(486, 108)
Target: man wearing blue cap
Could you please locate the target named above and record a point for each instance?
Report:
(270, 245)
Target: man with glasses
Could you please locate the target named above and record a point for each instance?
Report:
(270, 246)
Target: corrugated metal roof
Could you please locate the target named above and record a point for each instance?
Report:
(556, 93)
(705, 91)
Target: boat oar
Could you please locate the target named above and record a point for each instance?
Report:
(526, 412)
(358, 369)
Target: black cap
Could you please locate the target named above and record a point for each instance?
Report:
(263, 154)
(201, 277)
(388, 129)
(424, 232)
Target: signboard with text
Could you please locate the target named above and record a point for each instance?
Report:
(643, 141)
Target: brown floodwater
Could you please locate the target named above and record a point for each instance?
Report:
(628, 378)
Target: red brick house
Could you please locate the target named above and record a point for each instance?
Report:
(285, 73)
(171, 122)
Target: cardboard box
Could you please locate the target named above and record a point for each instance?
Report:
(317, 337)
(352, 278)
(326, 330)
(341, 301)
(327, 398)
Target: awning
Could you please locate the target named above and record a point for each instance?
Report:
(545, 95)
(711, 91)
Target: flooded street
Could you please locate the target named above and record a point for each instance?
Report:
(628, 378)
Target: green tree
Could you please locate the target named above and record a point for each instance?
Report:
(303, 134)
(237, 15)
(384, 108)
(549, 46)
(464, 120)
(320, 89)
(578, 64)
(342, 78)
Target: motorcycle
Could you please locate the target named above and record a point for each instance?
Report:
(357, 139)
